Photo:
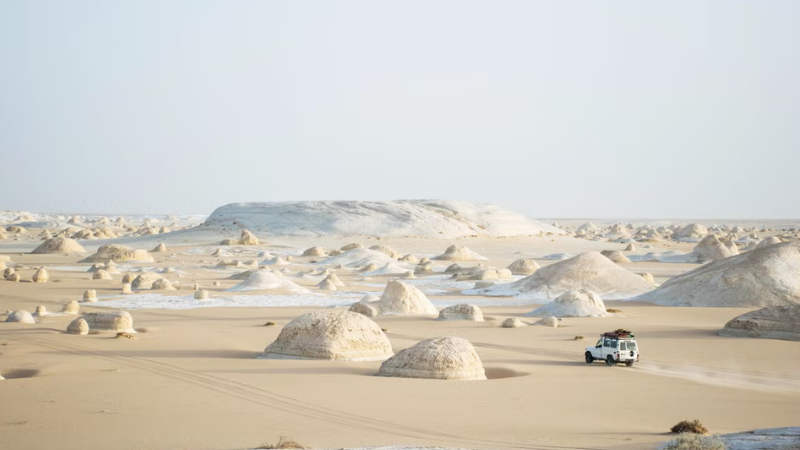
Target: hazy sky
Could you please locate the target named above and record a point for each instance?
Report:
(555, 108)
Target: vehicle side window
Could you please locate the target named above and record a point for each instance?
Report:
(623, 346)
(606, 343)
(599, 343)
(613, 344)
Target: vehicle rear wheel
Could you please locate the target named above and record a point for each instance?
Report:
(629, 363)
(589, 358)
(610, 361)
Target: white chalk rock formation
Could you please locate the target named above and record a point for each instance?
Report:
(59, 245)
(40, 311)
(359, 257)
(110, 321)
(551, 322)
(71, 308)
(443, 358)
(512, 322)
(463, 311)
(590, 271)
(691, 233)
(20, 316)
(40, 276)
(772, 240)
(524, 267)
(458, 253)
(201, 294)
(314, 251)
(160, 248)
(331, 335)
(763, 277)
(398, 299)
(577, 303)
(145, 281)
(162, 284)
(774, 322)
(265, 279)
(101, 274)
(78, 326)
(426, 218)
(712, 249)
(119, 253)
(615, 256)
(90, 296)
(326, 285)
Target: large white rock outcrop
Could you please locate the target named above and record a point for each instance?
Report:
(590, 271)
(774, 322)
(332, 335)
(442, 219)
(265, 279)
(763, 277)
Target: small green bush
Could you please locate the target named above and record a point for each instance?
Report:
(269, 324)
(695, 442)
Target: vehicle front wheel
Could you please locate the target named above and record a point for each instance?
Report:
(610, 361)
(589, 358)
(629, 363)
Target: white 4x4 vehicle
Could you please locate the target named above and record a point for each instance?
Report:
(614, 347)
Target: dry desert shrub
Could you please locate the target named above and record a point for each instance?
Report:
(270, 324)
(124, 335)
(578, 337)
(689, 426)
(613, 310)
(283, 442)
(695, 442)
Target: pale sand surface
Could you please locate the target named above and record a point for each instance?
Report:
(191, 380)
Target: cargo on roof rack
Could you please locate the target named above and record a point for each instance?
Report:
(618, 334)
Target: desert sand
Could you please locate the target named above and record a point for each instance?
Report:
(188, 374)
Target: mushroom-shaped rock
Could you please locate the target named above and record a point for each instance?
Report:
(512, 322)
(523, 267)
(458, 253)
(576, 303)
(71, 308)
(119, 253)
(463, 311)
(314, 251)
(331, 335)
(126, 288)
(40, 276)
(101, 274)
(774, 322)
(59, 245)
(20, 316)
(90, 295)
(78, 326)
(615, 256)
(551, 322)
(128, 278)
(403, 299)
(443, 358)
(160, 248)
(201, 294)
(110, 321)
